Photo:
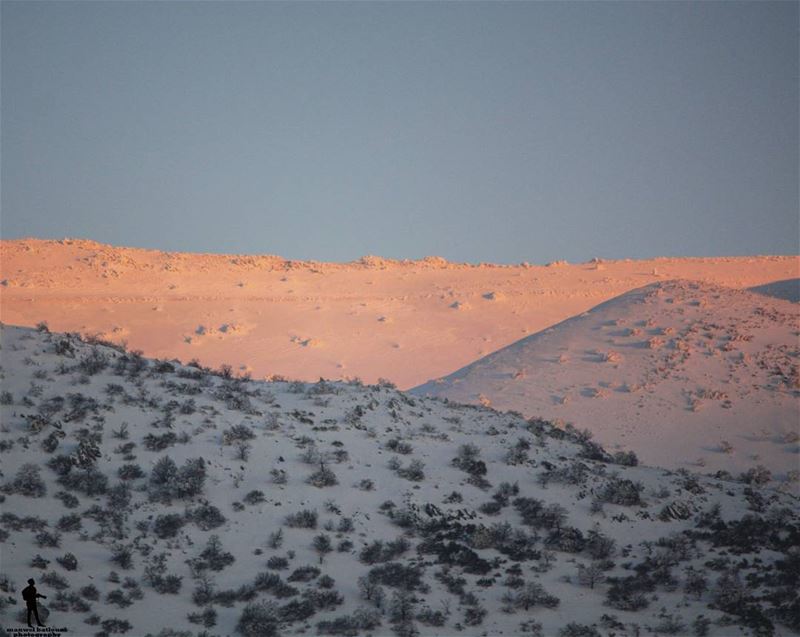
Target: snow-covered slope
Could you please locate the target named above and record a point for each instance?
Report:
(788, 289)
(148, 497)
(670, 371)
(374, 318)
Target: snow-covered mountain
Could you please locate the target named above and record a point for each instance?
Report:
(683, 373)
(151, 497)
(404, 320)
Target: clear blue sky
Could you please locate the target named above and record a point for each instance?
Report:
(499, 132)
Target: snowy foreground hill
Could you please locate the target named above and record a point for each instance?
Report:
(150, 497)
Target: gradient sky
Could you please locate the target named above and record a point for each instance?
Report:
(499, 132)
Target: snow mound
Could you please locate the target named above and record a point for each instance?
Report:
(708, 362)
